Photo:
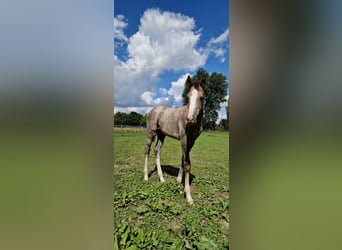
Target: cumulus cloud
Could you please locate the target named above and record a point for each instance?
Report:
(164, 42)
(147, 97)
(176, 90)
(170, 97)
(163, 91)
(141, 110)
(218, 45)
(119, 25)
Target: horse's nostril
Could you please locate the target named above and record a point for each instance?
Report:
(190, 117)
(190, 121)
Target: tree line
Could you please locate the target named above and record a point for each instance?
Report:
(133, 119)
(215, 93)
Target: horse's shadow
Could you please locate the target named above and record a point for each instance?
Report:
(173, 171)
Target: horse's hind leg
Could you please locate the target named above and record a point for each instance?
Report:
(180, 173)
(150, 138)
(157, 150)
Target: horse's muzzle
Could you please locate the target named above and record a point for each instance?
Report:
(193, 121)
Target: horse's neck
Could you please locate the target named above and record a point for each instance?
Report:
(185, 107)
(200, 120)
(184, 110)
(197, 128)
(200, 115)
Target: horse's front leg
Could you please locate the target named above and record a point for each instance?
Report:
(180, 172)
(186, 167)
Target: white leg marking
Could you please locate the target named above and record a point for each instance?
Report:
(187, 189)
(180, 175)
(146, 169)
(160, 173)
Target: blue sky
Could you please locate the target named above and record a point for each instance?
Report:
(158, 43)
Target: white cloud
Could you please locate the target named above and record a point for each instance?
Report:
(153, 21)
(165, 41)
(147, 97)
(218, 45)
(119, 25)
(166, 101)
(221, 38)
(176, 90)
(171, 97)
(163, 91)
(141, 110)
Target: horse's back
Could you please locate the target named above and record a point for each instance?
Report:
(164, 119)
(153, 117)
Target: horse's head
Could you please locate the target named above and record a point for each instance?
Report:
(195, 99)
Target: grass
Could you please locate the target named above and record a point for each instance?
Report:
(150, 215)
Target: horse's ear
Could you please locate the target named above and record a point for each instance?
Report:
(188, 81)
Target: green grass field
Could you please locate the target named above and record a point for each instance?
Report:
(150, 215)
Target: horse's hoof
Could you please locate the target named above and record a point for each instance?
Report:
(145, 178)
(190, 202)
(162, 181)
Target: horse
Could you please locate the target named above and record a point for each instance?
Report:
(184, 124)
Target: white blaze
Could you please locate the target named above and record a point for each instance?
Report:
(193, 98)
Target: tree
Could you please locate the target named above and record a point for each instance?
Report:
(227, 110)
(120, 118)
(143, 121)
(134, 119)
(215, 93)
(222, 125)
